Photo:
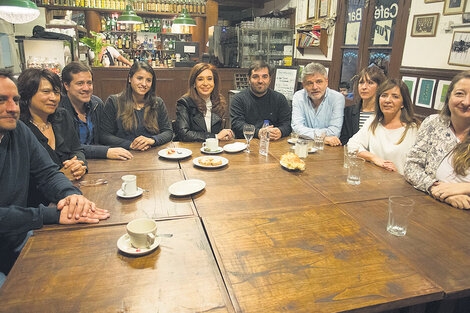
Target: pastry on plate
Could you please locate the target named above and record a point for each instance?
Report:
(292, 162)
(210, 161)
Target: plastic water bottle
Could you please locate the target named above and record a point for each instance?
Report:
(264, 139)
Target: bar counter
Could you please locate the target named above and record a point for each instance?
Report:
(172, 83)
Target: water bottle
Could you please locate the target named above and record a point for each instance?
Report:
(264, 139)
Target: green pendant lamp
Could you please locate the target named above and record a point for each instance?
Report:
(184, 19)
(18, 11)
(129, 16)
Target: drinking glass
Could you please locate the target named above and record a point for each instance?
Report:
(248, 132)
(399, 209)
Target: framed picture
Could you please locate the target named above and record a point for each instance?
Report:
(441, 92)
(411, 83)
(323, 8)
(460, 49)
(431, 1)
(454, 7)
(425, 92)
(312, 9)
(425, 25)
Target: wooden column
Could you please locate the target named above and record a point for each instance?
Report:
(92, 21)
(199, 33)
(212, 17)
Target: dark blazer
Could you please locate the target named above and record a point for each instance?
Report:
(351, 122)
(190, 123)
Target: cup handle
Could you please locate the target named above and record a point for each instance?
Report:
(204, 145)
(123, 187)
(150, 239)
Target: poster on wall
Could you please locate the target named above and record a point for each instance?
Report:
(424, 25)
(385, 15)
(411, 83)
(425, 92)
(323, 8)
(354, 21)
(441, 92)
(460, 49)
(286, 81)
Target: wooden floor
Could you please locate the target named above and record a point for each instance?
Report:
(258, 238)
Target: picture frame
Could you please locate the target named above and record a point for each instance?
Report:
(454, 7)
(442, 87)
(425, 93)
(323, 8)
(459, 51)
(411, 82)
(432, 1)
(312, 9)
(425, 25)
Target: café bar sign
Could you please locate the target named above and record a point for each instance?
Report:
(385, 14)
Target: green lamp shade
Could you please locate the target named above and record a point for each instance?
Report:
(184, 19)
(128, 17)
(18, 11)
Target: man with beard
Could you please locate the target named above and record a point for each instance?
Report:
(317, 109)
(258, 103)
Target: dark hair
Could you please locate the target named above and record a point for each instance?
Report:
(28, 85)
(74, 67)
(373, 73)
(462, 75)
(257, 65)
(218, 102)
(407, 112)
(7, 74)
(344, 85)
(125, 101)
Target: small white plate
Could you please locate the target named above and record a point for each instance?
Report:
(186, 187)
(179, 153)
(124, 244)
(219, 150)
(292, 140)
(312, 150)
(235, 147)
(121, 194)
(224, 161)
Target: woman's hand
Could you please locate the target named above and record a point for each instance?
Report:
(76, 167)
(459, 201)
(225, 134)
(118, 154)
(142, 143)
(442, 190)
(388, 165)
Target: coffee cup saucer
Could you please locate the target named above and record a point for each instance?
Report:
(124, 244)
(219, 150)
(121, 193)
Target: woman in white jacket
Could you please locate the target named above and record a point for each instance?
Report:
(387, 136)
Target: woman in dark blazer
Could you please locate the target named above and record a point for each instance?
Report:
(202, 113)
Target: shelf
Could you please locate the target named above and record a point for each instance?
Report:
(101, 10)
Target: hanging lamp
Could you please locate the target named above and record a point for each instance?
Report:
(18, 11)
(184, 19)
(129, 16)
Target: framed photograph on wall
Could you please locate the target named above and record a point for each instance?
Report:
(323, 8)
(424, 25)
(460, 49)
(454, 7)
(442, 87)
(411, 83)
(312, 9)
(425, 92)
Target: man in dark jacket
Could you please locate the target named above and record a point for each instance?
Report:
(86, 110)
(23, 157)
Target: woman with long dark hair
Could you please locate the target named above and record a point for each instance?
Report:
(202, 113)
(387, 136)
(136, 118)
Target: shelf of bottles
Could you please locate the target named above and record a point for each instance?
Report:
(152, 42)
(153, 7)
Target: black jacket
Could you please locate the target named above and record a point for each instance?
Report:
(94, 110)
(351, 122)
(190, 123)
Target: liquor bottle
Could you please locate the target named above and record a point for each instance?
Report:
(203, 7)
(128, 42)
(103, 24)
(178, 6)
(167, 6)
(158, 28)
(146, 26)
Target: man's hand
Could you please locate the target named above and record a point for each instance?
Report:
(442, 190)
(77, 206)
(119, 154)
(225, 134)
(459, 201)
(332, 141)
(90, 218)
(274, 133)
(76, 167)
(142, 143)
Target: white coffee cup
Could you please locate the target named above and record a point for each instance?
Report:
(211, 144)
(129, 185)
(142, 232)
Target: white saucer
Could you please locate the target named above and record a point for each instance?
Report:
(180, 153)
(235, 147)
(121, 194)
(186, 187)
(292, 140)
(219, 150)
(124, 244)
(224, 162)
(312, 150)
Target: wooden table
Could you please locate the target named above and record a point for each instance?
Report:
(85, 272)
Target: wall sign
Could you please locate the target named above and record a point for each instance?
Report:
(286, 81)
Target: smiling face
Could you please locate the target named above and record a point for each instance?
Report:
(80, 88)
(205, 84)
(45, 101)
(141, 82)
(9, 105)
(315, 85)
(391, 102)
(459, 100)
(367, 88)
(259, 81)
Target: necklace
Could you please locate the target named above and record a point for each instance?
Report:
(42, 128)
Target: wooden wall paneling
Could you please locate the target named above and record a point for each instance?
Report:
(212, 18)
(199, 33)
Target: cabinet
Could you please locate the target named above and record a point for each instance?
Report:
(274, 46)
